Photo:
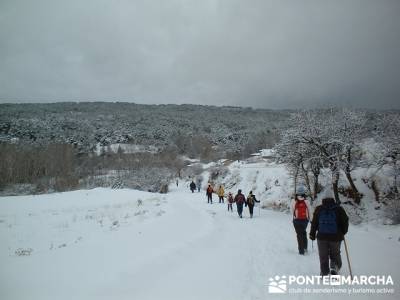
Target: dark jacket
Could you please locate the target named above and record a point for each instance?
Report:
(240, 199)
(342, 221)
(192, 186)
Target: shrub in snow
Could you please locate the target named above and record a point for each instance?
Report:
(389, 137)
(218, 173)
(268, 185)
(392, 212)
(23, 252)
(118, 184)
(192, 171)
(349, 193)
(164, 188)
(114, 225)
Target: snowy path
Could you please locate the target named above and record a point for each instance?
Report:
(102, 244)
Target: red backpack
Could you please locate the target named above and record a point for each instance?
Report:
(301, 208)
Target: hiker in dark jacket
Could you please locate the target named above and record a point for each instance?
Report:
(301, 217)
(192, 186)
(240, 200)
(329, 225)
(250, 202)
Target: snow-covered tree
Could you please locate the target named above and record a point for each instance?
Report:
(324, 137)
(301, 158)
(388, 134)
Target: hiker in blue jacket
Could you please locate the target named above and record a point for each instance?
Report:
(329, 225)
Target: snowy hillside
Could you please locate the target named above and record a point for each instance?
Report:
(87, 125)
(126, 244)
(269, 181)
(273, 186)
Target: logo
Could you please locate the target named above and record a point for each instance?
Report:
(277, 285)
(337, 284)
(335, 280)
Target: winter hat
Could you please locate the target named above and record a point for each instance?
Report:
(300, 190)
(239, 191)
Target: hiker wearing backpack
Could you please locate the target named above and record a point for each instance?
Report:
(301, 216)
(209, 193)
(240, 200)
(221, 194)
(250, 202)
(329, 225)
(192, 186)
(230, 201)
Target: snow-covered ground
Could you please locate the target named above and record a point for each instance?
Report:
(126, 244)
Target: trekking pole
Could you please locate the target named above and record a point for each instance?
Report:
(348, 258)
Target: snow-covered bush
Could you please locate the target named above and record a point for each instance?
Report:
(389, 138)
(23, 251)
(218, 173)
(392, 211)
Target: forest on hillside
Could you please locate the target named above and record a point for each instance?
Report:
(64, 146)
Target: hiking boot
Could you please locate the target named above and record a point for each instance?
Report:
(334, 271)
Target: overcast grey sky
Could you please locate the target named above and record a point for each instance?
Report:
(260, 53)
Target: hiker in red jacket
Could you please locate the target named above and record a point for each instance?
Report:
(301, 217)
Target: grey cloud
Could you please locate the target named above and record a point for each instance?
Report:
(271, 54)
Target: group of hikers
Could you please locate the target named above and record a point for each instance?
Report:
(239, 199)
(329, 223)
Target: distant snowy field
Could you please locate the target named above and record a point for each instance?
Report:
(126, 244)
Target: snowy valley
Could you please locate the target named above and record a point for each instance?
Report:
(199, 150)
(127, 244)
(116, 219)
